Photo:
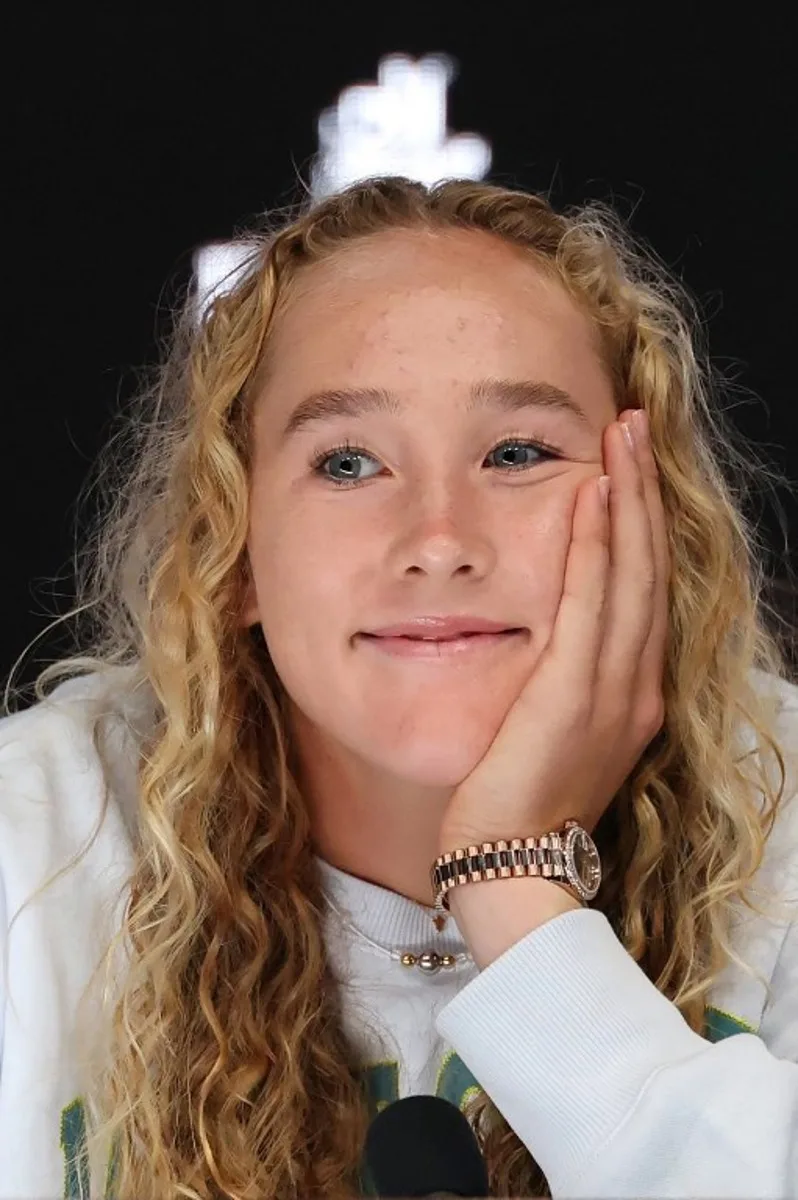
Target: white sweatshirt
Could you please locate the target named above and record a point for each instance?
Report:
(597, 1073)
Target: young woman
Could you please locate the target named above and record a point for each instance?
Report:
(226, 948)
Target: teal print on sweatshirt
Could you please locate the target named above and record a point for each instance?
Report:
(380, 1080)
(76, 1158)
(454, 1083)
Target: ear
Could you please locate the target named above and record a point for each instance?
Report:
(250, 616)
(250, 612)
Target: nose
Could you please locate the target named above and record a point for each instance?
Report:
(447, 552)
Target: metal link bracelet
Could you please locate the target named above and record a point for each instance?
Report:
(543, 856)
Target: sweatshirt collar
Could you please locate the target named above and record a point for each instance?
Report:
(393, 921)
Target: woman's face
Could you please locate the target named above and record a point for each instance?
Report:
(450, 512)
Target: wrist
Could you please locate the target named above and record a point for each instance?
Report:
(460, 839)
(494, 914)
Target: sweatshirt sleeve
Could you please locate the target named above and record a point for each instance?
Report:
(608, 1086)
(3, 965)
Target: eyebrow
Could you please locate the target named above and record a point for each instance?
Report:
(504, 395)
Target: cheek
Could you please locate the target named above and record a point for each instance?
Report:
(541, 555)
(306, 584)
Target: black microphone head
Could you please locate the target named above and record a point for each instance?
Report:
(421, 1145)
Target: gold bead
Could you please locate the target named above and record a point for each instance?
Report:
(408, 960)
(448, 960)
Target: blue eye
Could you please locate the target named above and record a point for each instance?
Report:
(349, 453)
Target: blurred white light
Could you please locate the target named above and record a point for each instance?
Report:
(217, 269)
(396, 127)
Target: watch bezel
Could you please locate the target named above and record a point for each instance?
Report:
(574, 832)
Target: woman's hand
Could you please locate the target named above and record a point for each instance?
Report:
(594, 700)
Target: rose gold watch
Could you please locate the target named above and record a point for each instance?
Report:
(568, 857)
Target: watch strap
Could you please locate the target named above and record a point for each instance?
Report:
(533, 856)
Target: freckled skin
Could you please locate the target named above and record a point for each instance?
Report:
(434, 526)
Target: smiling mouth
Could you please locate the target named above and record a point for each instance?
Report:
(410, 637)
(438, 649)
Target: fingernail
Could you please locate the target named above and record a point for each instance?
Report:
(640, 425)
(627, 433)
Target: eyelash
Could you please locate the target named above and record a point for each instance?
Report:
(347, 448)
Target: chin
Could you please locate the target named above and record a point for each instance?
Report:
(433, 767)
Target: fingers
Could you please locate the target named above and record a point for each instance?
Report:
(631, 662)
(578, 633)
(608, 643)
(652, 661)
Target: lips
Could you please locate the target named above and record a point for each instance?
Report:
(453, 637)
(441, 627)
(435, 651)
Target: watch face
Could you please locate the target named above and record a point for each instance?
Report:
(586, 860)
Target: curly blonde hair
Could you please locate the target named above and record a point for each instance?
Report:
(226, 1071)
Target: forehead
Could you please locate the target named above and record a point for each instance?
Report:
(422, 296)
(453, 263)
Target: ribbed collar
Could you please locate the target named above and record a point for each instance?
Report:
(393, 921)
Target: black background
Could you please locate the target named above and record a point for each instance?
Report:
(134, 134)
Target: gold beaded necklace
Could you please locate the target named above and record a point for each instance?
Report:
(429, 961)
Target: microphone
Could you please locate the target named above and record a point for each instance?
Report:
(424, 1146)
